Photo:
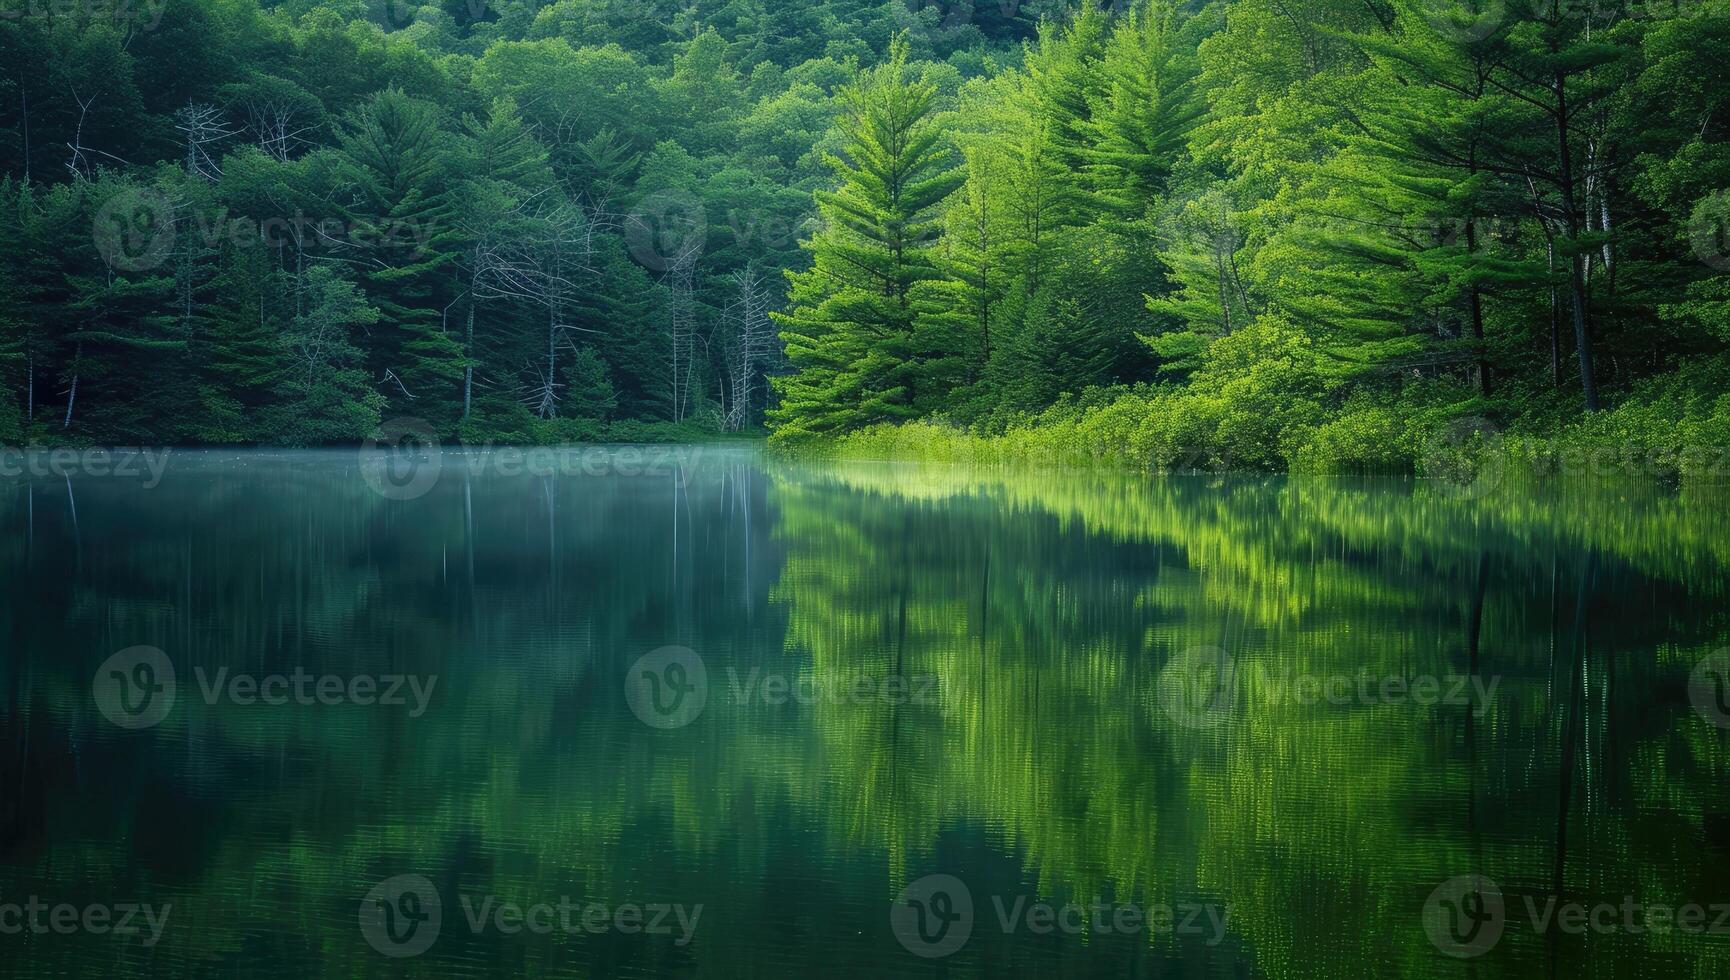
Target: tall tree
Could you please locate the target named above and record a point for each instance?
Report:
(850, 332)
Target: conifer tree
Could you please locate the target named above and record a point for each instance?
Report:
(850, 332)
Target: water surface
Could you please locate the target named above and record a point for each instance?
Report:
(1284, 713)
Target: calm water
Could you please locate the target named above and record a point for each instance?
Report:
(728, 716)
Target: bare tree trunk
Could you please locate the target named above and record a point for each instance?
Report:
(468, 361)
(549, 397)
(752, 337)
(681, 325)
(469, 332)
(30, 388)
(72, 395)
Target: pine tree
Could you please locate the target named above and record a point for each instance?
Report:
(398, 159)
(850, 333)
(324, 394)
(1145, 108)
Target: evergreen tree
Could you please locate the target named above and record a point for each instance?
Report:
(850, 331)
(401, 235)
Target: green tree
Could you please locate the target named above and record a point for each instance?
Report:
(850, 332)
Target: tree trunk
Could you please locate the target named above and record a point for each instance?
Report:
(1477, 309)
(468, 361)
(72, 395)
(24, 97)
(1576, 261)
(1555, 320)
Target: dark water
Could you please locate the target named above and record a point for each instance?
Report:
(1248, 727)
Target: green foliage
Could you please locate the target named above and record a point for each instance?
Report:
(1305, 235)
(323, 395)
(850, 333)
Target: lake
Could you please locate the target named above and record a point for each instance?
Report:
(692, 711)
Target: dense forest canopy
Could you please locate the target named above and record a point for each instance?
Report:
(1252, 233)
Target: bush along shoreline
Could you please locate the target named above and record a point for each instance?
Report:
(1673, 429)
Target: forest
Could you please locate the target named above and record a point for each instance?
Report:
(1308, 235)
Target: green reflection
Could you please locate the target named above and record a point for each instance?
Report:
(995, 653)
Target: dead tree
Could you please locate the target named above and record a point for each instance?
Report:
(202, 129)
(545, 266)
(752, 342)
(682, 319)
(275, 126)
